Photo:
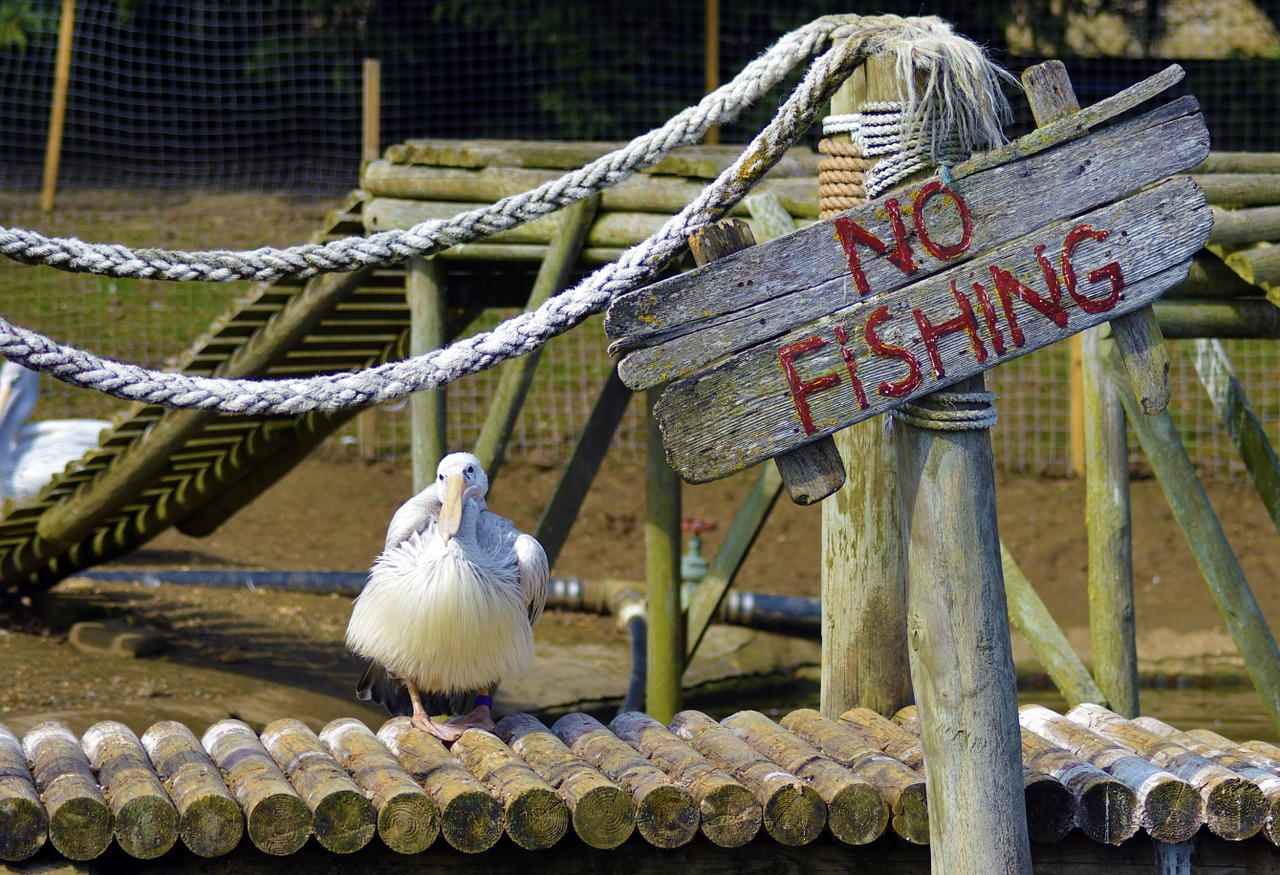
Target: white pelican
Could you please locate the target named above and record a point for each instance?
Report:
(450, 603)
(33, 453)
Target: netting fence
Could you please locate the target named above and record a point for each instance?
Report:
(236, 124)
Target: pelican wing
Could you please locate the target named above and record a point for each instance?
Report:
(414, 516)
(531, 559)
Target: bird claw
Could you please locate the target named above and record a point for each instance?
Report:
(450, 731)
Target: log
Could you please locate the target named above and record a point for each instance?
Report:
(24, 824)
(856, 813)
(665, 195)
(536, 817)
(1259, 266)
(343, 819)
(1229, 757)
(664, 647)
(601, 812)
(278, 821)
(1214, 556)
(901, 786)
(1051, 807)
(427, 295)
(209, 820)
(811, 472)
(886, 736)
(408, 820)
(1106, 808)
(794, 813)
(470, 819)
(1170, 809)
(1234, 808)
(1240, 162)
(1210, 277)
(666, 814)
(730, 815)
(145, 820)
(80, 821)
(1240, 189)
(1245, 227)
(1030, 616)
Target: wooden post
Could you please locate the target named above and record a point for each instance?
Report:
(711, 61)
(961, 660)
(58, 111)
(1075, 406)
(1104, 445)
(427, 302)
(662, 547)
(370, 147)
(864, 613)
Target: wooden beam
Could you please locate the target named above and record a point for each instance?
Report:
(428, 300)
(662, 550)
(58, 109)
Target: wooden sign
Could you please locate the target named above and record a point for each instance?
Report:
(778, 345)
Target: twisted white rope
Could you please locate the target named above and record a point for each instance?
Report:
(853, 39)
(884, 128)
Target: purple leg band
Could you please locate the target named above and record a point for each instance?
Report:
(487, 701)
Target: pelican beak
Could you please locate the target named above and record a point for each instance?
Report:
(455, 486)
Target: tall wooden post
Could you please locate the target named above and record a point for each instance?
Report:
(662, 546)
(961, 657)
(370, 147)
(58, 111)
(1106, 468)
(426, 332)
(711, 60)
(864, 607)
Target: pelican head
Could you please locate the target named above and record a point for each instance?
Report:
(461, 479)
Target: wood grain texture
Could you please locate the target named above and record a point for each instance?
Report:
(24, 824)
(145, 820)
(742, 411)
(1106, 809)
(408, 820)
(730, 813)
(210, 821)
(471, 820)
(666, 813)
(794, 813)
(602, 813)
(535, 815)
(277, 819)
(80, 821)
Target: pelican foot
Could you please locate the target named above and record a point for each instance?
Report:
(446, 732)
(478, 719)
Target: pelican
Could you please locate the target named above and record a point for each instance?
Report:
(449, 606)
(33, 453)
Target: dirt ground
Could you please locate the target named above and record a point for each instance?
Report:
(259, 654)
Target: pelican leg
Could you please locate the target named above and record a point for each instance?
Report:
(478, 718)
(446, 732)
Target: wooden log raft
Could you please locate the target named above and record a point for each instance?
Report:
(794, 813)
(730, 814)
(79, 818)
(1051, 807)
(536, 817)
(145, 820)
(1234, 807)
(210, 822)
(1225, 754)
(277, 819)
(24, 825)
(901, 786)
(856, 812)
(342, 818)
(1106, 808)
(407, 818)
(666, 814)
(602, 813)
(470, 819)
(1171, 810)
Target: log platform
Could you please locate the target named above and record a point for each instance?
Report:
(802, 792)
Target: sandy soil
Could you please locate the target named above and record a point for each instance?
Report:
(261, 654)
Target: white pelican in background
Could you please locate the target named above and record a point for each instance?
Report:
(33, 453)
(449, 606)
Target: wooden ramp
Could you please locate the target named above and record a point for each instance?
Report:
(804, 794)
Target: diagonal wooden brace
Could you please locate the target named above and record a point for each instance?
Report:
(1137, 334)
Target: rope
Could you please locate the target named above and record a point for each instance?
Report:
(919, 44)
(950, 417)
(841, 177)
(884, 128)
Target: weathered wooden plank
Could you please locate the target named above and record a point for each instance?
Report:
(24, 824)
(878, 353)
(602, 813)
(209, 820)
(730, 813)
(1171, 810)
(408, 820)
(856, 813)
(1234, 807)
(470, 818)
(794, 813)
(80, 821)
(1075, 178)
(666, 813)
(146, 822)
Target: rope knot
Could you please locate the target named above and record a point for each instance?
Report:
(950, 411)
